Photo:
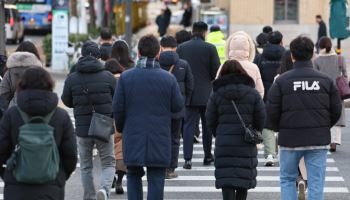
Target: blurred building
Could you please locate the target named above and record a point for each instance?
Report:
(291, 17)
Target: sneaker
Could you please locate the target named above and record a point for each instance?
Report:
(196, 140)
(170, 174)
(301, 189)
(269, 161)
(333, 147)
(188, 164)
(101, 195)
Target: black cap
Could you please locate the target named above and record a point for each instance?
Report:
(275, 37)
(215, 28)
(90, 48)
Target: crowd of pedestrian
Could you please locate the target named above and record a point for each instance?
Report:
(237, 90)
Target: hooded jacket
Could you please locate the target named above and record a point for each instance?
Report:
(38, 103)
(241, 47)
(235, 160)
(100, 84)
(204, 62)
(183, 74)
(269, 62)
(303, 104)
(16, 64)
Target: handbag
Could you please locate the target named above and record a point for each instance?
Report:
(342, 82)
(251, 135)
(101, 126)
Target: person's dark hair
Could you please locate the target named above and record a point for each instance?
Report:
(302, 48)
(28, 46)
(261, 39)
(286, 62)
(106, 34)
(199, 28)
(112, 65)
(121, 52)
(275, 37)
(318, 16)
(149, 46)
(325, 43)
(90, 48)
(168, 42)
(267, 29)
(36, 78)
(215, 28)
(232, 67)
(183, 36)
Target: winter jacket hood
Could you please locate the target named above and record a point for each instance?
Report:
(37, 102)
(89, 64)
(273, 52)
(23, 59)
(240, 46)
(168, 58)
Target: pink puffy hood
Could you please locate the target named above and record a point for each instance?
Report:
(240, 46)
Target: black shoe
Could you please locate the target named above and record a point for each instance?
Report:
(119, 189)
(208, 161)
(188, 164)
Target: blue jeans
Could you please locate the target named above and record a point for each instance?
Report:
(155, 179)
(106, 154)
(315, 161)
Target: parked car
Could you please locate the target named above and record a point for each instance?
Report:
(13, 25)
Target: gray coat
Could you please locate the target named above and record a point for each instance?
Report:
(333, 66)
(16, 64)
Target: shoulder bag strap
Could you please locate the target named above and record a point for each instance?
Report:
(171, 69)
(24, 115)
(239, 115)
(86, 92)
(340, 64)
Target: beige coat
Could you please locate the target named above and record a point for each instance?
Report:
(240, 47)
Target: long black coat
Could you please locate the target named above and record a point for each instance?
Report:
(38, 103)
(204, 62)
(235, 160)
(101, 86)
(183, 74)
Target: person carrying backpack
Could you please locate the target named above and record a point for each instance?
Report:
(51, 156)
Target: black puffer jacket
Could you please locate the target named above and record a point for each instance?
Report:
(38, 103)
(101, 85)
(303, 104)
(269, 62)
(235, 160)
(183, 74)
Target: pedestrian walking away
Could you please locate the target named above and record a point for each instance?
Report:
(16, 65)
(322, 30)
(269, 62)
(186, 20)
(100, 84)
(169, 60)
(113, 66)
(334, 66)
(35, 89)
(121, 52)
(145, 122)
(106, 41)
(217, 38)
(204, 63)
(303, 104)
(235, 159)
(240, 47)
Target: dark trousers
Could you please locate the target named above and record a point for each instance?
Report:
(155, 179)
(176, 125)
(234, 194)
(193, 114)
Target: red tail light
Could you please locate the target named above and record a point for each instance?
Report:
(12, 21)
(49, 17)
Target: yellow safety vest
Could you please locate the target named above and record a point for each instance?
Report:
(217, 39)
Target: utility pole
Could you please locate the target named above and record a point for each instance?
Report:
(2, 28)
(128, 22)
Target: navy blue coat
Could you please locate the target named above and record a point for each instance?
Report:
(145, 98)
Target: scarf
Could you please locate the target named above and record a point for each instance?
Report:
(144, 62)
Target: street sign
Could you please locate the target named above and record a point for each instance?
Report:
(59, 40)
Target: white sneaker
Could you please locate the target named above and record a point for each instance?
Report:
(101, 195)
(269, 161)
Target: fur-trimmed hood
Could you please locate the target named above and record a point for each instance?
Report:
(240, 46)
(23, 59)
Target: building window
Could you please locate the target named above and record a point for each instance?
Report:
(286, 11)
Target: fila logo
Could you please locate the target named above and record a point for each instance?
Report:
(306, 86)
